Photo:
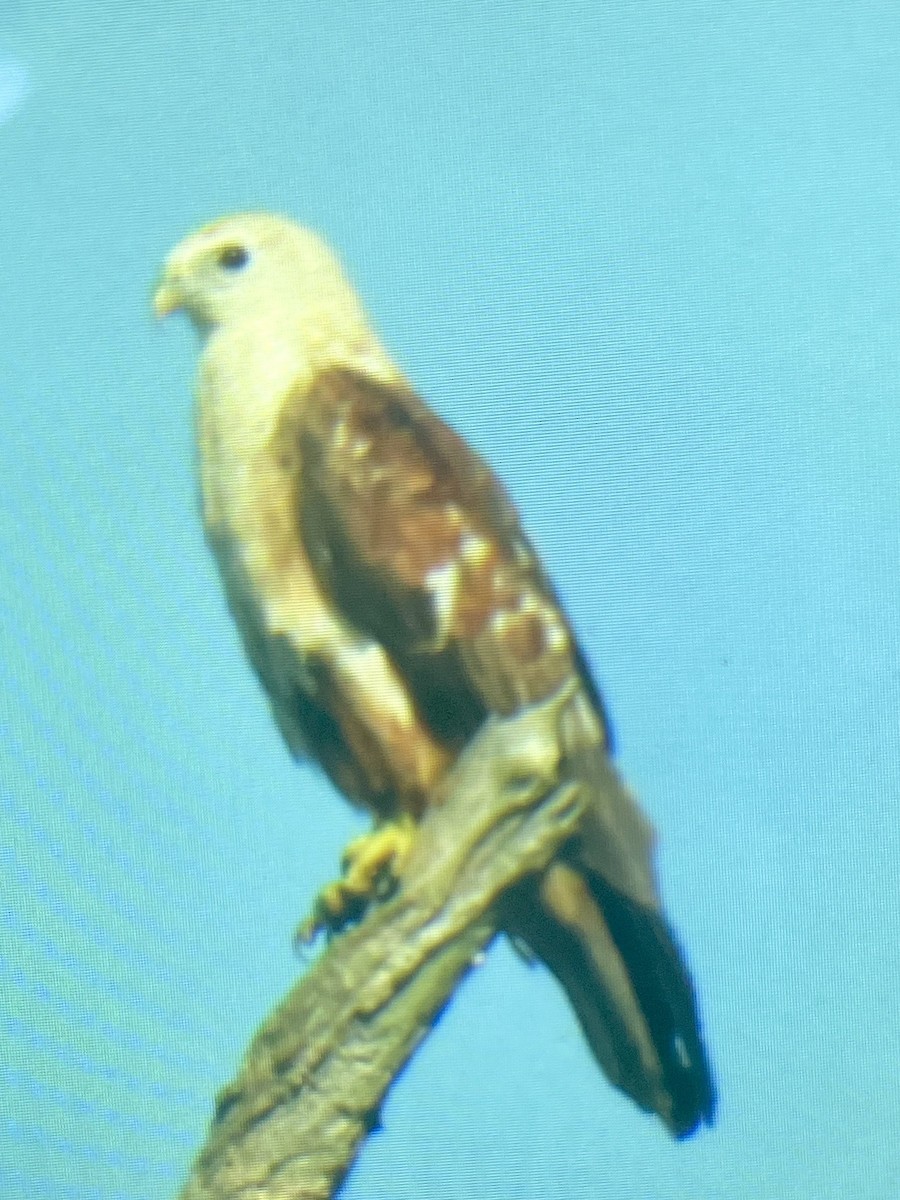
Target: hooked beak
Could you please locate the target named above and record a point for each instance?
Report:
(167, 298)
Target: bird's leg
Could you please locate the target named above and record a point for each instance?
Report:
(371, 866)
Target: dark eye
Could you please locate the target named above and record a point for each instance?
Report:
(233, 258)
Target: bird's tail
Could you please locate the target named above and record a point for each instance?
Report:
(594, 917)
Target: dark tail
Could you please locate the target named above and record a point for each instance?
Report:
(595, 919)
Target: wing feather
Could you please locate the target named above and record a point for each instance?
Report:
(418, 543)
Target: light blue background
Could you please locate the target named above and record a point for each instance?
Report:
(646, 256)
(13, 86)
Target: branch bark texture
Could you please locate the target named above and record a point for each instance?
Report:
(311, 1085)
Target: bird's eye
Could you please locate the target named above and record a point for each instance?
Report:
(233, 258)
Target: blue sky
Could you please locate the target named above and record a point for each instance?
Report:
(647, 260)
(13, 86)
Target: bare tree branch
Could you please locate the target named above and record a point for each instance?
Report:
(314, 1077)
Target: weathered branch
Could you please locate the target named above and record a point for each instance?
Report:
(315, 1074)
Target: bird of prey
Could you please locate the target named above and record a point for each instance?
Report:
(389, 601)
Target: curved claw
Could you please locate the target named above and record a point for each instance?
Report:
(372, 865)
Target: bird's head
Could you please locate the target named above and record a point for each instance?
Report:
(245, 265)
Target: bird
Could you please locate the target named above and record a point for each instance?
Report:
(390, 602)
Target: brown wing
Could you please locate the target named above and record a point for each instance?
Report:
(417, 542)
(418, 545)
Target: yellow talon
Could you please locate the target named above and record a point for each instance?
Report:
(385, 847)
(372, 865)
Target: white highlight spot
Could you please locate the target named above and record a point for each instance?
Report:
(443, 584)
(367, 665)
(555, 633)
(14, 85)
(500, 622)
(341, 435)
(474, 549)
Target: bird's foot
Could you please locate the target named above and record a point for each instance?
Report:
(371, 866)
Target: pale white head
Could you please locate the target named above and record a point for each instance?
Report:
(249, 264)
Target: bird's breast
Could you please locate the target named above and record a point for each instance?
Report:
(250, 496)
